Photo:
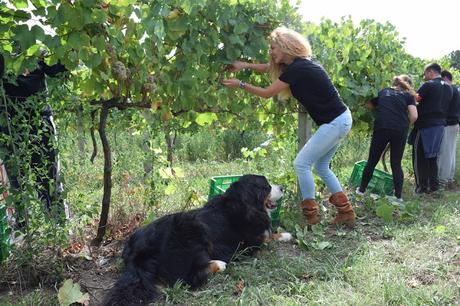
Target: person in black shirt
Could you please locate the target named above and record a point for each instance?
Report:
(448, 150)
(295, 73)
(395, 109)
(24, 102)
(433, 100)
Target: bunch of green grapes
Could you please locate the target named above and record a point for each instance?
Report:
(119, 71)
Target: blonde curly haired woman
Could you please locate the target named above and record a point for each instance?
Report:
(295, 73)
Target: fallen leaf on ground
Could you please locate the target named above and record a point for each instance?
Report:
(70, 293)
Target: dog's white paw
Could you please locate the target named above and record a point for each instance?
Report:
(217, 265)
(285, 237)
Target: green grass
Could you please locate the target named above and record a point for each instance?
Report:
(414, 259)
(42, 297)
(386, 264)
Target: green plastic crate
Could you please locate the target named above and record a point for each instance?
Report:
(4, 240)
(218, 185)
(380, 183)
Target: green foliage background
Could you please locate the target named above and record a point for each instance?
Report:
(161, 61)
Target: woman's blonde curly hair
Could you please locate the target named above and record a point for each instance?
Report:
(291, 43)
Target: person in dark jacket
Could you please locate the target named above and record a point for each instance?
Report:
(433, 100)
(27, 116)
(395, 110)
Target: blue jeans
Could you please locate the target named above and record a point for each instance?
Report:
(318, 151)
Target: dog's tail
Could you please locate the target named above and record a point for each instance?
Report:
(134, 287)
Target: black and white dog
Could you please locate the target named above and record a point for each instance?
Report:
(188, 246)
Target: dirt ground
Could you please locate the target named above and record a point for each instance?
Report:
(96, 276)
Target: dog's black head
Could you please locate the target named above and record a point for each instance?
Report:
(257, 186)
(252, 197)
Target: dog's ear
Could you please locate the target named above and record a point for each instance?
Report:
(255, 207)
(249, 204)
(258, 219)
(250, 190)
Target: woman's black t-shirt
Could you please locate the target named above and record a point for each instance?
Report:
(312, 87)
(391, 109)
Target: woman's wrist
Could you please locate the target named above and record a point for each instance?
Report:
(242, 85)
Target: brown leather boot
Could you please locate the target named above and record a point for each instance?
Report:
(345, 213)
(310, 211)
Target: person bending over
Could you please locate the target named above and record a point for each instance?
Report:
(295, 73)
(395, 110)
